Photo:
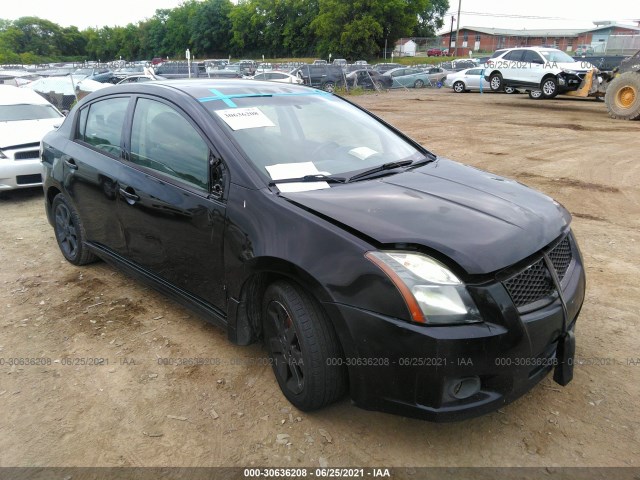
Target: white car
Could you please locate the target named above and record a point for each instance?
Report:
(465, 80)
(469, 79)
(25, 117)
(281, 77)
(545, 72)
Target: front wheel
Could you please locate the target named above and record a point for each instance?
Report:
(549, 87)
(69, 232)
(458, 87)
(418, 84)
(303, 347)
(496, 82)
(510, 90)
(329, 87)
(623, 97)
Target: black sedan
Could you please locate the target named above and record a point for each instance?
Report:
(364, 263)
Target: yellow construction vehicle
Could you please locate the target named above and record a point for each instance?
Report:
(620, 88)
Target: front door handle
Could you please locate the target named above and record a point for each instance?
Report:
(129, 195)
(69, 162)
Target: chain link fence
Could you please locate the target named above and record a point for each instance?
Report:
(623, 44)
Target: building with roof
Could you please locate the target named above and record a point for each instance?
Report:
(482, 39)
(405, 47)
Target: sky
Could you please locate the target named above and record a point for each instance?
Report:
(558, 14)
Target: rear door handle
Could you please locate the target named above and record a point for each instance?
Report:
(129, 195)
(69, 162)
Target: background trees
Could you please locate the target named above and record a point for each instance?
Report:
(351, 29)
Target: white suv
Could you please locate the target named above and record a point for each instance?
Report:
(543, 72)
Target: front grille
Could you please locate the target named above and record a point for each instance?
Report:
(531, 284)
(28, 179)
(28, 155)
(561, 257)
(534, 282)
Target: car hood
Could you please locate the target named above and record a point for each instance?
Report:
(26, 131)
(575, 66)
(481, 221)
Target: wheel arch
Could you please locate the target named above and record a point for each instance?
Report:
(50, 195)
(244, 326)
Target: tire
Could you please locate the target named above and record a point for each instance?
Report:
(496, 82)
(302, 346)
(535, 94)
(418, 84)
(458, 87)
(329, 87)
(549, 87)
(69, 232)
(623, 96)
(510, 90)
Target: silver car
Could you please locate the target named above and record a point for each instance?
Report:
(466, 80)
(25, 117)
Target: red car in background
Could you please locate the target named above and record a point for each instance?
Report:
(437, 52)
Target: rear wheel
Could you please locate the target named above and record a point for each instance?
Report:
(303, 347)
(418, 84)
(549, 87)
(535, 94)
(510, 90)
(496, 82)
(458, 87)
(69, 232)
(623, 96)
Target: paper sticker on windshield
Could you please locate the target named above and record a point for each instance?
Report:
(362, 152)
(242, 118)
(281, 171)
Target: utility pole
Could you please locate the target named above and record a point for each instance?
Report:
(458, 27)
(451, 35)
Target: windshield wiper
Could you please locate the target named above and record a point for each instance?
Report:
(379, 168)
(424, 161)
(309, 178)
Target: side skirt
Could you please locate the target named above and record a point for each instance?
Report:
(209, 312)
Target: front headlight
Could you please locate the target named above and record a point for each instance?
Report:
(432, 292)
(569, 71)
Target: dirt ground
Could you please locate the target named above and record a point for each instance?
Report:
(135, 411)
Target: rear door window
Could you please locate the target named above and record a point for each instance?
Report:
(101, 124)
(514, 55)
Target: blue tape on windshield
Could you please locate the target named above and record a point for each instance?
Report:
(227, 99)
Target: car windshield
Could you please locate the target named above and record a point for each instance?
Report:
(285, 135)
(556, 56)
(14, 113)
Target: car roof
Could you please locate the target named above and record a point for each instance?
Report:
(533, 48)
(207, 88)
(10, 95)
